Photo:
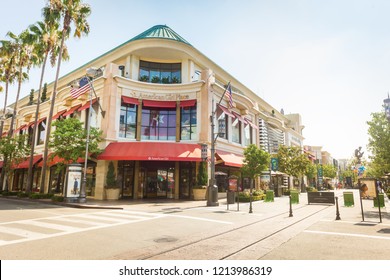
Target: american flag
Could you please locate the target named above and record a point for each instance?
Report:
(228, 94)
(83, 88)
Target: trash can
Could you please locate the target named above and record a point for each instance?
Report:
(212, 199)
(294, 197)
(269, 196)
(231, 197)
(348, 199)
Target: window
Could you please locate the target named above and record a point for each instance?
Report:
(247, 135)
(236, 130)
(188, 123)
(41, 132)
(222, 123)
(128, 121)
(158, 123)
(162, 73)
(94, 115)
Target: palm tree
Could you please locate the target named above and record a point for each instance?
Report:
(45, 35)
(18, 53)
(71, 11)
(7, 61)
(23, 59)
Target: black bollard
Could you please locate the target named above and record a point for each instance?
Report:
(337, 209)
(291, 213)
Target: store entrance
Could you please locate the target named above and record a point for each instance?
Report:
(158, 180)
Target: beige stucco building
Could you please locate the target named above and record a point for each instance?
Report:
(158, 93)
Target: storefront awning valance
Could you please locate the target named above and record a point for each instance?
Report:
(71, 110)
(188, 103)
(56, 159)
(56, 116)
(226, 111)
(26, 162)
(159, 104)
(251, 123)
(130, 100)
(86, 105)
(151, 151)
(230, 159)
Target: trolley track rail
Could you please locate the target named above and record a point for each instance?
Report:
(248, 246)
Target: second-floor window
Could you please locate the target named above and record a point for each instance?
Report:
(188, 123)
(128, 121)
(161, 73)
(158, 123)
(41, 132)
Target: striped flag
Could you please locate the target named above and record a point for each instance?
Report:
(83, 88)
(228, 94)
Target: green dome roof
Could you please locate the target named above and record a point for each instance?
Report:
(160, 32)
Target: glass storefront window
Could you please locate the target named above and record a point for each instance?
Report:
(188, 123)
(158, 124)
(162, 73)
(128, 121)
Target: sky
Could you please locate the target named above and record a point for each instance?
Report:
(329, 60)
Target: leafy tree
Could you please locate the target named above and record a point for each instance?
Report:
(13, 150)
(255, 162)
(68, 141)
(202, 175)
(111, 176)
(292, 161)
(329, 171)
(379, 143)
(44, 92)
(311, 172)
(70, 12)
(31, 97)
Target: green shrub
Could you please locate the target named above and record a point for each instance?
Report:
(22, 194)
(9, 193)
(245, 196)
(41, 195)
(57, 198)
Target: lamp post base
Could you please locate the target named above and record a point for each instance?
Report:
(211, 203)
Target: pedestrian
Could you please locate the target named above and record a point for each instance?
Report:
(75, 186)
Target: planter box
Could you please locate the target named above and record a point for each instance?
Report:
(381, 200)
(321, 197)
(112, 194)
(269, 196)
(294, 197)
(199, 194)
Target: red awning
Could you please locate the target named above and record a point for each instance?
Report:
(20, 128)
(57, 159)
(240, 118)
(71, 110)
(151, 151)
(251, 124)
(56, 116)
(86, 105)
(26, 163)
(130, 100)
(159, 104)
(187, 103)
(226, 111)
(230, 159)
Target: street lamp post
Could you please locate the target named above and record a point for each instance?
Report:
(92, 73)
(212, 198)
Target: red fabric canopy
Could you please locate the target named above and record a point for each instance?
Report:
(56, 116)
(86, 105)
(230, 159)
(226, 111)
(26, 163)
(71, 110)
(187, 103)
(160, 104)
(151, 151)
(130, 100)
(57, 159)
